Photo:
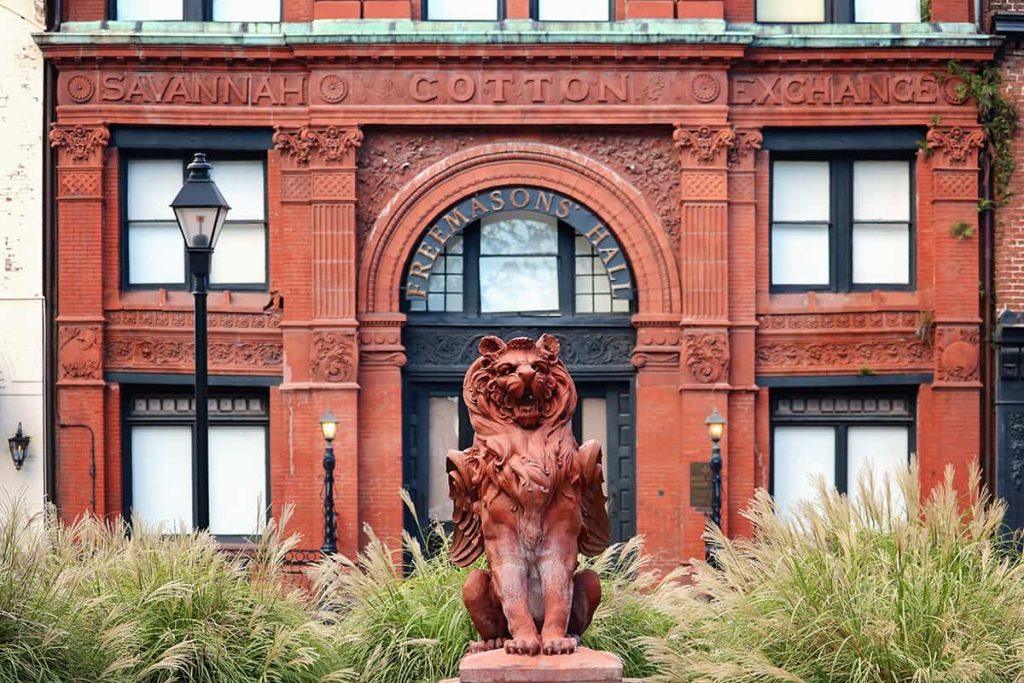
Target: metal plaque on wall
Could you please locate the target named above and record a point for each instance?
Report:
(700, 486)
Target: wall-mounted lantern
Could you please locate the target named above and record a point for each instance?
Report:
(19, 447)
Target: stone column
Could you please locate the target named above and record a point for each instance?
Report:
(80, 385)
(321, 361)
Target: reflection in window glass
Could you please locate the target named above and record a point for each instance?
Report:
(445, 287)
(593, 286)
(519, 264)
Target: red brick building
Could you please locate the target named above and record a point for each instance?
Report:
(713, 204)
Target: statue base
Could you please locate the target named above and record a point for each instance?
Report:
(496, 666)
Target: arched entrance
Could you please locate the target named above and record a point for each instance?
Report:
(517, 261)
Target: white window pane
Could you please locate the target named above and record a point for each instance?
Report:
(242, 184)
(149, 10)
(156, 254)
(444, 437)
(800, 455)
(791, 10)
(241, 255)
(887, 11)
(885, 450)
(238, 480)
(881, 191)
(881, 254)
(800, 191)
(574, 10)
(162, 476)
(800, 255)
(519, 234)
(152, 186)
(594, 425)
(514, 284)
(247, 10)
(462, 9)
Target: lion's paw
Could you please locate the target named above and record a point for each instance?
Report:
(523, 646)
(559, 646)
(486, 645)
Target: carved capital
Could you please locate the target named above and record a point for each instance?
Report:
(79, 144)
(657, 345)
(707, 356)
(957, 354)
(80, 349)
(954, 146)
(331, 146)
(703, 146)
(333, 357)
(381, 345)
(744, 148)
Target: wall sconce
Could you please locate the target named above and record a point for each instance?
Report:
(19, 447)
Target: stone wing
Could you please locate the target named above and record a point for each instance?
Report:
(596, 533)
(468, 538)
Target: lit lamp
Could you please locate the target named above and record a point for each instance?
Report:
(329, 427)
(201, 210)
(716, 429)
(19, 447)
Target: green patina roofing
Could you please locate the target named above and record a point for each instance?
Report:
(516, 32)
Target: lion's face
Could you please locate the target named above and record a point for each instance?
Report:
(522, 381)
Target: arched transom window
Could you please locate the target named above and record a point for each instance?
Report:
(519, 251)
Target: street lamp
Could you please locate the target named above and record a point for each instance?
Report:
(329, 426)
(716, 429)
(19, 447)
(201, 210)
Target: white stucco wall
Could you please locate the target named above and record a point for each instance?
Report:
(21, 245)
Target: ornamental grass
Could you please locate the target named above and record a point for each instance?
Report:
(858, 591)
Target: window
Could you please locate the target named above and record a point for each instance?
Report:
(521, 263)
(154, 254)
(461, 10)
(573, 10)
(841, 223)
(196, 10)
(159, 477)
(839, 11)
(837, 436)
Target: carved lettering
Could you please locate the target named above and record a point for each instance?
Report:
(845, 89)
(204, 89)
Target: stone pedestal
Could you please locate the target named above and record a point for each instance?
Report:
(585, 666)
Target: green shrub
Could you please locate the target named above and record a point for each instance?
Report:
(857, 593)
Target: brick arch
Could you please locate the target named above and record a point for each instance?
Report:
(412, 211)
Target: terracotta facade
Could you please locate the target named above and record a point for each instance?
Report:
(662, 138)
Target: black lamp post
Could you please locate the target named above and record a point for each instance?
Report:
(716, 428)
(201, 210)
(329, 426)
(19, 447)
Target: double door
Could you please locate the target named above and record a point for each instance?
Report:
(436, 421)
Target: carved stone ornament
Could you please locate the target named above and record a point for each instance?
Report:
(957, 356)
(80, 88)
(657, 346)
(381, 344)
(149, 352)
(746, 144)
(79, 141)
(707, 357)
(887, 320)
(330, 145)
(1015, 448)
(333, 357)
(440, 347)
(183, 319)
(80, 356)
(705, 144)
(903, 353)
(705, 88)
(333, 88)
(530, 498)
(955, 144)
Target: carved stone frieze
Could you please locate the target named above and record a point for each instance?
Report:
(79, 144)
(888, 320)
(957, 354)
(78, 184)
(954, 146)
(183, 319)
(704, 145)
(956, 185)
(163, 352)
(446, 347)
(743, 149)
(1015, 448)
(707, 356)
(333, 357)
(80, 355)
(329, 146)
(902, 353)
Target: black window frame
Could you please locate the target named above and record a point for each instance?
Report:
(842, 423)
(129, 420)
(192, 10)
(471, 310)
(836, 12)
(140, 153)
(502, 12)
(841, 219)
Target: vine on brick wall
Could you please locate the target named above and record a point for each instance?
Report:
(926, 10)
(999, 119)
